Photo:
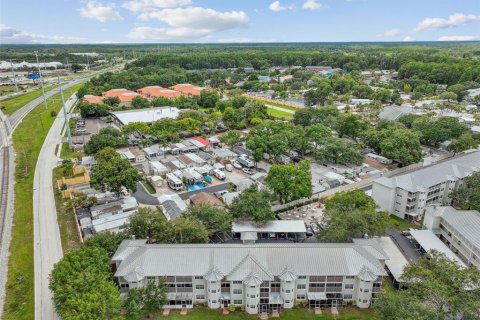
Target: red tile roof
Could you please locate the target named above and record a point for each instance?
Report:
(188, 89)
(93, 99)
(116, 93)
(157, 91)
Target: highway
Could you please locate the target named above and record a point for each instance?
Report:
(48, 245)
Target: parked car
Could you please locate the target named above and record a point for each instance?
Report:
(219, 174)
(81, 129)
(248, 171)
(236, 165)
(309, 232)
(315, 228)
(229, 167)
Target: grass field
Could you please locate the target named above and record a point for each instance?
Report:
(68, 152)
(66, 218)
(294, 314)
(148, 187)
(283, 106)
(400, 224)
(10, 105)
(27, 139)
(279, 114)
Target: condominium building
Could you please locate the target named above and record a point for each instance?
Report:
(260, 277)
(408, 194)
(458, 229)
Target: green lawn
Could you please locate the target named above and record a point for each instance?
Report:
(279, 114)
(400, 224)
(283, 106)
(66, 217)
(69, 153)
(294, 314)
(10, 105)
(148, 187)
(27, 139)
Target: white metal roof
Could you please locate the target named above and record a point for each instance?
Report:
(271, 226)
(241, 262)
(429, 241)
(146, 115)
(452, 169)
(465, 222)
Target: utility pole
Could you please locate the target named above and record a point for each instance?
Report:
(14, 76)
(67, 122)
(88, 63)
(41, 81)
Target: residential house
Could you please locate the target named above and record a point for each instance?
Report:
(251, 232)
(205, 198)
(394, 112)
(93, 99)
(188, 89)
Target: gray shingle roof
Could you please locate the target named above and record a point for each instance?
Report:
(452, 169)
(237, 261)
(392, 113)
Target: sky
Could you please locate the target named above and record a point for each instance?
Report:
(217, 21)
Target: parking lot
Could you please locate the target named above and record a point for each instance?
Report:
(90, 126)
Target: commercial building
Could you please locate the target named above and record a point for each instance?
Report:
(458, 229)
(259, 277)
(408, 194)
(145, 115)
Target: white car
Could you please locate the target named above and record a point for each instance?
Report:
(248, 171)
(236, 165)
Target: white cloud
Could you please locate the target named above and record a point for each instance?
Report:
(311, 5)
(459, 38)
(276, 6)
(392, 33)
(100, 12)
(141, 5)
(12, 35)
(408, 39)
(441, 23)
(188, 23)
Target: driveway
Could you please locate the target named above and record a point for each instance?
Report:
(143, 196)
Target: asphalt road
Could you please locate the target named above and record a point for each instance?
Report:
(48, 245)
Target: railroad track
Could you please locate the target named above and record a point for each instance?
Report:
(4, 189)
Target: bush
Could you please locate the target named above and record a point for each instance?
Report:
(53, 113)
(232, 307)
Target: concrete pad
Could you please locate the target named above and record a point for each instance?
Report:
(166, 312)
(184, 312)
(318, 311)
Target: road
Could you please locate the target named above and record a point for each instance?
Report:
(48, 245)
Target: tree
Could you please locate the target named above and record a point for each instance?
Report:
(82, 286)
(447, 95)
(213, 218)
(142, 302)
(107, 137)
(437, 288)
(231, 138)
(67, 167)
(137, 127)
(468, 197)
(253, 204)
(351, 125)
(352, 214)
(318, 134)
(318, 95)
(233, 118)
(338, 151)
(290, 182)
(308, 116)
(82, 92)
(107, 241)
(208, 98)
(75, 67)
(189, 230)
(459, 89)
(140, 103)
(239, 101)
(190, 125)
(111, 101)
(402, 145)
(463, 142)
(113, 173)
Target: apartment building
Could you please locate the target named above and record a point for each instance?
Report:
(408, 194)
(458, 229)
(261, 277)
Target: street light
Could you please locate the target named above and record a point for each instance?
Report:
(41, 82)
(67, 123)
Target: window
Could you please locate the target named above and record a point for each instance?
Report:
(301, 286)
(367, 290)
(200, 297)
(275, 285)
(237, 301)
(349, 277)
(253, 287)
(364, 301)
(225, 284)
(237, 282)
(198, 277)
(300, 296)
(347, 296)
(199, 287)
(287, 301)
(302, 277)
(214, 301)
(349, 286)
(213, 291)
(237, 291)
(287, 291)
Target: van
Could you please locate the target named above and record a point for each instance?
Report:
(219, 174)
